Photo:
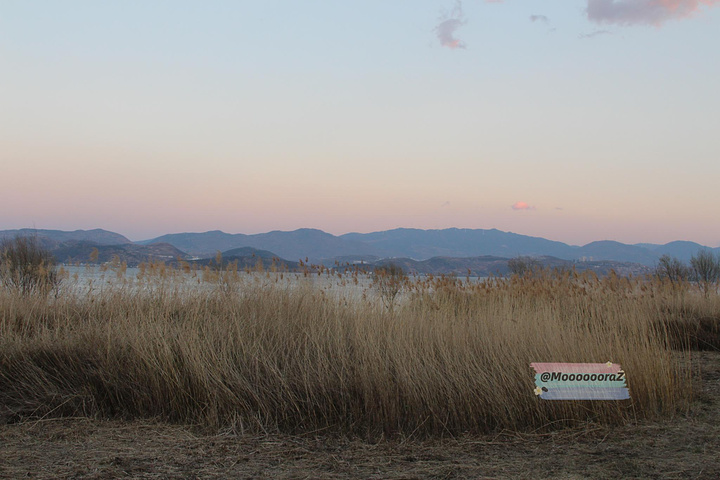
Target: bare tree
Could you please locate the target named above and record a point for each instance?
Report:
(706, 270)
(672, 269)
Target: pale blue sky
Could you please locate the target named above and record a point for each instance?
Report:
(151, 117)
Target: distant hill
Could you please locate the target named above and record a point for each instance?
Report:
(203, 244)
(456, 242)
(248, 257)
(81, 252)
(295, 245)
(680, 249)
(453, 242)
(249, 252)
(55, 237)
(609, 250)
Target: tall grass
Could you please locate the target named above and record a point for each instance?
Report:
(267, 355)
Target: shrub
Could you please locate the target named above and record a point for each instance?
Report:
(389, 281)
(523, 265)
(26, 266)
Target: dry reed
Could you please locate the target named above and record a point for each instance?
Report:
(253, 353)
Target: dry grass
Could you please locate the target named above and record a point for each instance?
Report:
(450, 358)
(686, 446)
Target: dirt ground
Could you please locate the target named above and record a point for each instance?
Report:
(687, 446)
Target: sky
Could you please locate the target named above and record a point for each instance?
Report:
(574, 120)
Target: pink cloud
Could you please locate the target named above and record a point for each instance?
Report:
(522, 206)
(638, 12)
(445, 30)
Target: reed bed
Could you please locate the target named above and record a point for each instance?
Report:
(256, 352)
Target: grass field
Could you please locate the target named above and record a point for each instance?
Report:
(255, 356)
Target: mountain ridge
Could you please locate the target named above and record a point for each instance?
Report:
(411, 243)
(96, 235)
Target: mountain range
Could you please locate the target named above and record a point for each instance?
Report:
(420, 245)
(315, 245)
(419, 250)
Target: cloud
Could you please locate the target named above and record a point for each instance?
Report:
(642, 12)
(521, 206)
(539, 18)
(449, 23)
(594, 34)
